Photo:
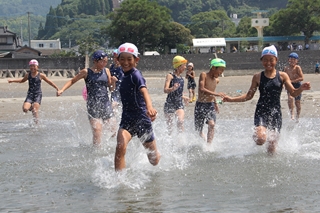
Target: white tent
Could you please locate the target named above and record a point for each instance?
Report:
(209, 42)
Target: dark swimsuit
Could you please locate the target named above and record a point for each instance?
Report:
(268, 110)
(34, 92)
(203, 112)
(174, 99)
(98, 104)
(118, 73)
(134, 117)
(191, 83)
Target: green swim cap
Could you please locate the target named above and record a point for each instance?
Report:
(217, 62)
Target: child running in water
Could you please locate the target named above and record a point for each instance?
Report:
(137, 109)
(173, 86)
(295, 74)
(268, 110)
(116, 77)
(191, 86)
(34, 96)
(98, 80)
(206, 105)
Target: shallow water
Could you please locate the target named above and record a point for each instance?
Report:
(53, 168)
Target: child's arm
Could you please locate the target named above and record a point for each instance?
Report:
(293, 91)
(168, 89)
(151, 112)
(81, 74)
(249, 95)
(299, 76)
(21, 80)
(111, 84)
(44, 77)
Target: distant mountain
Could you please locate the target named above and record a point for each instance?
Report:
(15, 8)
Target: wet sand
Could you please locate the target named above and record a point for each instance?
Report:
(13, 96)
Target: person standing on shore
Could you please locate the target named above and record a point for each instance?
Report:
(295, 74)
(317, 67)
(98, 80)
(268, 114)
(173, 86)
(137, 110)
(34, 96)
(206, 105)
(191, 86)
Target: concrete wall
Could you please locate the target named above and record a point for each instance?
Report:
(236, 62)
(244, 63)
(44, 63)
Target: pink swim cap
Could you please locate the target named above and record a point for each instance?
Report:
(34, 61)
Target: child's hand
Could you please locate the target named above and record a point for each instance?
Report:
(306, 86)
(9, 81)
(176, 86)
(152, 114)
(226, 99)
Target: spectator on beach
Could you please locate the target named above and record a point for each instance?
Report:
(317, 67)
(295, 74)
(191, 86)
(206, 105)
(98, 80)
(34, 95)
(173, 86)
(268, 117)
(137, 110)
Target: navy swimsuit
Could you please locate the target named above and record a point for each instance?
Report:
(268, 110)
(98, 103)
(34, 92)
(174, 99)
(134, 117)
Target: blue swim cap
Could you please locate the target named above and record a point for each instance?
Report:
(294, 55)
(98, 55)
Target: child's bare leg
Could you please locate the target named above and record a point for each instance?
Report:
(210, 134)
(180, 115)
(169, 120)
(260, 135)
(26, 107)
(298, 106)
(273, 141)
(193, 95)
(112, 126)
(153, 154)
(35, 111)
(290, 104)
(123, 139)
(96, 126)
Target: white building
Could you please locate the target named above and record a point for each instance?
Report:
(46, 44)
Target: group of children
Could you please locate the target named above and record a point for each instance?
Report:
(126, 82)
(268, 116)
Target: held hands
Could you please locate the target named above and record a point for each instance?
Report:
(59, 92)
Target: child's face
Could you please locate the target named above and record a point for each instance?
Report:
(33, 67)
(127, 61)
(292, 61)
(269, 62)
(102, 63)
(181, 68)
(217, 71)
(189, 68)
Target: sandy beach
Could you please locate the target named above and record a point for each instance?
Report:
(13, 95)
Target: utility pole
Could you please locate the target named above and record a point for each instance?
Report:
(29, 30)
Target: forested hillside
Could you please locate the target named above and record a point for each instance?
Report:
(16, 8)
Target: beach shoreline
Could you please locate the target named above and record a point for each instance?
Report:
(13, 96)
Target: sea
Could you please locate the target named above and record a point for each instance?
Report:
(53, 167)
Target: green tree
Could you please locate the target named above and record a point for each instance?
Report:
(244, 28)
(211, 24)
(299, 16)
(140, 22)
(176, 33)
